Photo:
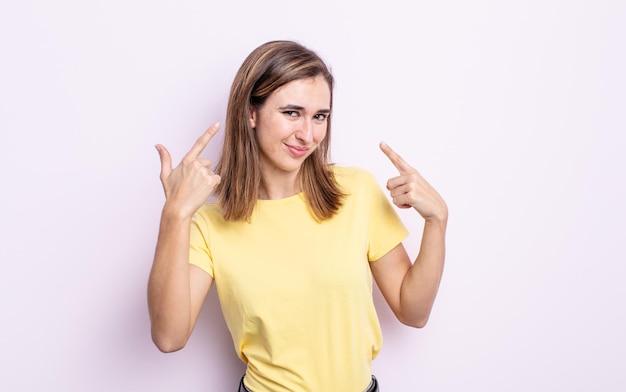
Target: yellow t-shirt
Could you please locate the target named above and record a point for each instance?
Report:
(297, 293)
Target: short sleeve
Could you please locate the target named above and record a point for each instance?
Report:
(199, 252)
(386, 230)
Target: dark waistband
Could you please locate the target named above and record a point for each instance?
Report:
(373, 387)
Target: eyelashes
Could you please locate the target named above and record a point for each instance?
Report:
(294, 113)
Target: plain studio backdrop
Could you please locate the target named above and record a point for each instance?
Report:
(514, 111)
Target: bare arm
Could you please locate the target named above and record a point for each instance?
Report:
(177, 289)
(410, 288)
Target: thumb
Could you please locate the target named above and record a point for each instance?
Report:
(166, 161)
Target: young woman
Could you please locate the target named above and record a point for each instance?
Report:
(292, 242)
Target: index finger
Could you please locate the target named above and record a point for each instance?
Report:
(396, 159)
(202, 142)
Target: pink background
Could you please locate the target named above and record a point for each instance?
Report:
(514, 111)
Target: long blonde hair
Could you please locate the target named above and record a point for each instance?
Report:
(266, 69)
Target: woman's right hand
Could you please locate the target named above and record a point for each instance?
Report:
(188, 185)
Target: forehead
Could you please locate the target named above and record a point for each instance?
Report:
(312, 93)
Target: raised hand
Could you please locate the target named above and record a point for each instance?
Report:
(410, 189)
(189, 184)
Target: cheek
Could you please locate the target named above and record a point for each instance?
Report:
(319, 134)
(265, 141)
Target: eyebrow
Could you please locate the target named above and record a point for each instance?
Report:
(298, 107)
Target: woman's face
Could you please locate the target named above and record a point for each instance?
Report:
(291, 124)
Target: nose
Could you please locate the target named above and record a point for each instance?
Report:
(305, 131)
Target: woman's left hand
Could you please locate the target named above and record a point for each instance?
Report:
(410, 189)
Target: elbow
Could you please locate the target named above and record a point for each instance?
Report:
(417, 321)
(421, 323)
(168, 336)
(168, 344)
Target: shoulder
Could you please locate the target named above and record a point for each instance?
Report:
(208, 213)
(352, 177)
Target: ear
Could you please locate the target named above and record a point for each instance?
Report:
(252, 117)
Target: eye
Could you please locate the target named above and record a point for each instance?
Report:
(291, 113)
(320, 116)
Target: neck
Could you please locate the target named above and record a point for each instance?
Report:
(278, 185)
(275, 191)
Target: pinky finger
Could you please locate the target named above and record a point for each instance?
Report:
(400, 202)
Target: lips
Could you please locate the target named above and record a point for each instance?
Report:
(297, 151)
